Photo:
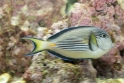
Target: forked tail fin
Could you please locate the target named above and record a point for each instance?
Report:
(38, 45)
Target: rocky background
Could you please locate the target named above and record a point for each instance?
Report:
(42, 18)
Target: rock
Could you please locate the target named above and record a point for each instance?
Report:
(45, 69)
(5, 78)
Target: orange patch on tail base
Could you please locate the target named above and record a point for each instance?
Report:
(52, 44)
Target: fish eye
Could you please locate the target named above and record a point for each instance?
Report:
(103, 35)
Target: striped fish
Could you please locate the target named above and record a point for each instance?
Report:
(75, 43)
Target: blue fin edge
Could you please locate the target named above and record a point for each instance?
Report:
(65, 30)
(34, 45)
(61, 56)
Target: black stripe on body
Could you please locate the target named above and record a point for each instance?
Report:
(74, 47)
(74, 39)
(72, 44)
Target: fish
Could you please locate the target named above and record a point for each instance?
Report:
(74, 43)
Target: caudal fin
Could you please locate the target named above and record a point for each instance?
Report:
(38, 45)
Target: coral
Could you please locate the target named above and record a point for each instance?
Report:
(107, 15)
(48, 69)
(119, 80)
(17, 80)
(121, 3)
(34, 18)
(19, 19)
(10, 46)
(5, 78)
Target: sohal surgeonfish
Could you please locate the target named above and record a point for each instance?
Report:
(75, 43)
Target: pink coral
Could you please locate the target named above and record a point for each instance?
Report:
(79, 15)
(34, 18)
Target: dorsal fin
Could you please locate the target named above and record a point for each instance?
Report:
(65, 30)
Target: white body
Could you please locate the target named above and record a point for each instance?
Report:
(80, 54)
(76, 43)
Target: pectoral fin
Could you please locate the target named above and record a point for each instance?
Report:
(93, 42)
